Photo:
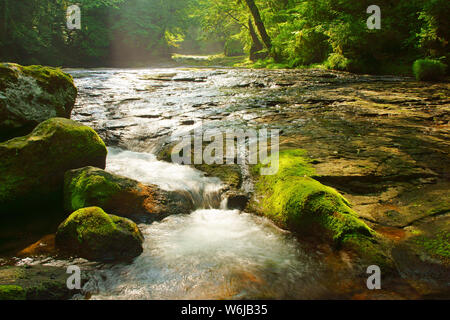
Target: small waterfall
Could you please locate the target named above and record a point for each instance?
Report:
(205, 192)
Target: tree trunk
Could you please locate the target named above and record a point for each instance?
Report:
(256, 43)
(259, 23)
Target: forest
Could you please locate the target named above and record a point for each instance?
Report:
(272, 33)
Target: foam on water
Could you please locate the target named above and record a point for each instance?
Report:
(211, 254)
(145, 168)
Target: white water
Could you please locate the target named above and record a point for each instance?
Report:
(145, 168)
(209, 254)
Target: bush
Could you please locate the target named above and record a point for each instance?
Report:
(337, 61)
(428, 70)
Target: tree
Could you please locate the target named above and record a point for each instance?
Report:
(259, 23)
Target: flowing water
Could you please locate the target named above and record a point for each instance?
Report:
(212, 253)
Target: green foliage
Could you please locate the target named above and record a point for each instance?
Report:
(428, 70)
(302, 32)
(337, 61)
(435, 31)
(113, 32)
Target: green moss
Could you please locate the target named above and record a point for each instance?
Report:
(429, 70)
(438, 246)
(295, 201)
(48, 77)
(93, 234)
(86, 187)
(371, 250)
(87, 222)
(11, 292)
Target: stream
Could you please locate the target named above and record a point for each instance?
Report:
(212, 253)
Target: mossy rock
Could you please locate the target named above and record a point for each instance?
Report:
(35, 282)
(32, 167)
(95, 235)
(30, 95)
(90, 186)
(11, 292)
(297, 202)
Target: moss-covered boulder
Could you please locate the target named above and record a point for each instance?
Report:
(296, 201)
(95, 235)
(32, 167)
(90, 186)
(30, 95)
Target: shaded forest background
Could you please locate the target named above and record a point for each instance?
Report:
(286, 33)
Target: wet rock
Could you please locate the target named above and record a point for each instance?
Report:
(32, 167)
(237, 200)
(89, 186)
(30, 95)
(35, 282)
(230, 174)
(95, 235)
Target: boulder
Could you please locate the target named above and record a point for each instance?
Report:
(95, 235)
(32, 167)
(295, 201)
(121, 196)
(30, 95)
